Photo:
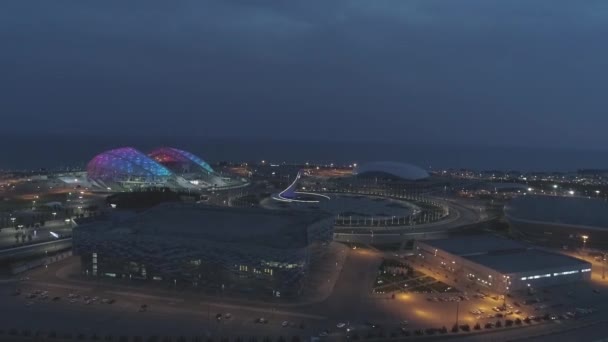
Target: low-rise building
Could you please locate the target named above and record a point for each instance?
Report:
(499, 264)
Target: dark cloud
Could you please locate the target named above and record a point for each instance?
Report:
(472, 71)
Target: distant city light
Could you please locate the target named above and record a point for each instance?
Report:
(571, 192)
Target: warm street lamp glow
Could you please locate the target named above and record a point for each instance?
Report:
(585, 237)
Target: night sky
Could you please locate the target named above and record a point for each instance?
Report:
(516, 72)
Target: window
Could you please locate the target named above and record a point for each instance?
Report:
(565, 273)
(537, 276)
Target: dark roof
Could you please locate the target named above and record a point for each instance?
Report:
(276, 229)
(526, 261)
(473, 245)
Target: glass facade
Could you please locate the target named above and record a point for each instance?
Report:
(125, 164)
(169, 155)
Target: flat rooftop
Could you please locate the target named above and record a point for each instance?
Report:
(276, 229)
(475, 245)
(526, 261)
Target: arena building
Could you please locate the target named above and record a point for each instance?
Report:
(189, 166)
(499, 264)
(393, 170)
(573, 222)
(126, 168)
(242, 250)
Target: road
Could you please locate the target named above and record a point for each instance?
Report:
(40, 234)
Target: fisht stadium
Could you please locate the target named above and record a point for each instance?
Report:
(127, 168)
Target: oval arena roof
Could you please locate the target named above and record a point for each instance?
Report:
(396, 169)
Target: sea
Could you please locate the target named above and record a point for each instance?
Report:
(56, 152)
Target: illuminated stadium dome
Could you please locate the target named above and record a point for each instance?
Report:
(179, 160)
(187, 165)
(127, 168)
(396, 170)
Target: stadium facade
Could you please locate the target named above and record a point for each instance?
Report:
(128, 169)
(242, 250)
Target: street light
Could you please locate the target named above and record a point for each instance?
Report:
(585, 237)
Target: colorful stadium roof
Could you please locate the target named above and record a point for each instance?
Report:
(170, 155)
(125, 162)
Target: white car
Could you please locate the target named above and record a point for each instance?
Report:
(340, 325)
(284, 324)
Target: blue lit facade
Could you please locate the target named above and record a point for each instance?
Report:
(126, 165)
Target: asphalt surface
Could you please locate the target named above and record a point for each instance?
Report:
(42, 234)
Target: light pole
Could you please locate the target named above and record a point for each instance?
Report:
(604, 266)
(585, 237)
(457, 311)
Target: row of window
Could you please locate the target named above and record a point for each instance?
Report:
(537, 276)
(555, 274)
(245, 268)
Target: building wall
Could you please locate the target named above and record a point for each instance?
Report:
(459, 269)
(197, 262)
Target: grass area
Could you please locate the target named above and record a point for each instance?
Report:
(441, 287)
(394, 272)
